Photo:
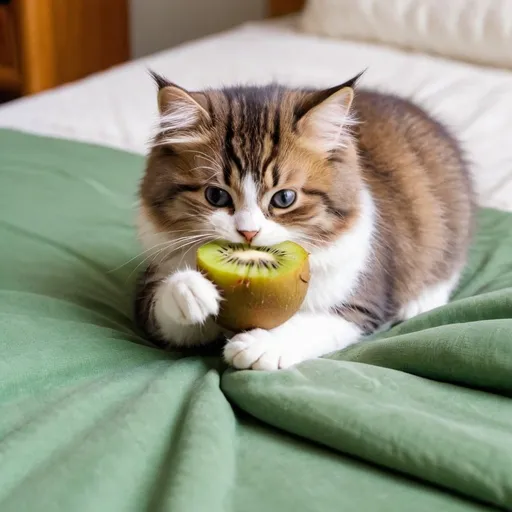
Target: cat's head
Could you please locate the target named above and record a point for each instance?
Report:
(259, 164)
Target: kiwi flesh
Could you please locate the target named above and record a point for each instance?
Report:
(260, 286)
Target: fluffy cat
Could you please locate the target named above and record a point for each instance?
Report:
(374, 188)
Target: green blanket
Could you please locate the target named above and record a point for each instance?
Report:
(91, 419)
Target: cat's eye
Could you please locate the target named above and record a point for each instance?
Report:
(218, 197)
(283, 198)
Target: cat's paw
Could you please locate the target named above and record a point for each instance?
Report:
(189, 298)
(260, 350)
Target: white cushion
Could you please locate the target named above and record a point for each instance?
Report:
(478, 31)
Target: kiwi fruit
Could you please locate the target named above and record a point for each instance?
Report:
(260, 286)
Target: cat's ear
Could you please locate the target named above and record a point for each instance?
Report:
(183, 114)
(326, 116)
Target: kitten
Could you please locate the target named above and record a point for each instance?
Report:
(375, 189)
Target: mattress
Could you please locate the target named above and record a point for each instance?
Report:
(117, 108)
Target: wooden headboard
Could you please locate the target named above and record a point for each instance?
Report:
(282, 7)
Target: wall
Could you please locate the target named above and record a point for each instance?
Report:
(160, 24)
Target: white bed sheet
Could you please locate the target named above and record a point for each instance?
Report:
(117, 107)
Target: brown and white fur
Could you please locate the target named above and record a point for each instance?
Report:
(383, 203)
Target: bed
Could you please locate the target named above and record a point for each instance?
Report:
(92, 418)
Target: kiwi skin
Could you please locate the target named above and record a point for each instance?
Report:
(259, 302)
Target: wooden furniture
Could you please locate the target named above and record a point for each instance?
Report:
(283, 7)
(45, 43)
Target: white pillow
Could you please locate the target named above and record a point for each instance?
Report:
(478, 31)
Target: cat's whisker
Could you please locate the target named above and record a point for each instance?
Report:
(167, 242)
(208, 158)
(207, 168)
(184, 239)
(151, 256)
(192, 244)
(213, 179)
(169, 246)
(186, 215)
(188, 250)
(137, 256)
(192, 230)
(312, 242)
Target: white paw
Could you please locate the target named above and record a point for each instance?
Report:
(260, 350)
(189, 298)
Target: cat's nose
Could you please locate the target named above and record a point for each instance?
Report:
(249, 235)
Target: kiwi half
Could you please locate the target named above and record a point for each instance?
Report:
(260, 286)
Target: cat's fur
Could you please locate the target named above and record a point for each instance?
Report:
(384, 206)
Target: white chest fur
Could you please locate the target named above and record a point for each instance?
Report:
(335, 270)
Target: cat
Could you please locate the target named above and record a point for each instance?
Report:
(375, 189)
